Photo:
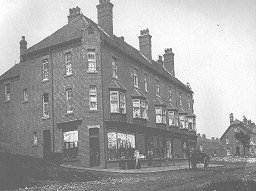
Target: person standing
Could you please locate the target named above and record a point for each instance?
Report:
(137, 157)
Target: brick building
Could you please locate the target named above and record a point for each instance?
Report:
(89, 95)
(232, 145)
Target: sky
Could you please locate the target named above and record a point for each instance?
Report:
(214, 42)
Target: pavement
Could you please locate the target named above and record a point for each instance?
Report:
(142, 170)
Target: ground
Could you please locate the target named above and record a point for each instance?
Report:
(199, 179)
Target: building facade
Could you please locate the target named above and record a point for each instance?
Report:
(233, 144)
(88, 95)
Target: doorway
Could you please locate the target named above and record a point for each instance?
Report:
(46, 144)
(94, 147)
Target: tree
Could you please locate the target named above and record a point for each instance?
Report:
(244, 139)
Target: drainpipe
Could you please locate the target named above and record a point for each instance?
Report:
(52, 92)
(103, 114)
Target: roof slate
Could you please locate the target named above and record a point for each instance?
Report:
(73, 30)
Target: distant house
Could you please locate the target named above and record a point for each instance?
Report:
(212, 147)
(233, 144)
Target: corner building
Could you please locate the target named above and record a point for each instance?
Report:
(87, 96)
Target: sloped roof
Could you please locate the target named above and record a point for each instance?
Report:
(237, 123)
(73, 30)
(136, 93)
(67, 33)
(11, 73)
(115, 84)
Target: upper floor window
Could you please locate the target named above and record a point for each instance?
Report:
(114, 68)
(160, 114)
(45, 70)
(7, 88)
(182, 119)
(157, 89)
(68, 63)
(180, 100)
(93, 97)
(46, 105)
(170, 95)
(140, 108)
(146, 82)
(91, 56)
(135, 79)
(35, 139)
(171, 117)
(25, 94)
(69, 100)
(117, 102)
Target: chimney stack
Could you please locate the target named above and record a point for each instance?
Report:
(74, 13)
(169, 61)
(145, 43)
(23, 47)
(105, 16)
(231, 118)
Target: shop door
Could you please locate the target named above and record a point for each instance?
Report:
(94, 147)
(46, 144)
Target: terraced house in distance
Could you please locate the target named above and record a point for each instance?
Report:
(88, 96)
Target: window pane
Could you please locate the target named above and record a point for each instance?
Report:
(93, 97)
(122, 103)
(7, 92)
(114, 102)
(25, 94)
(171, 117)
(45, 70)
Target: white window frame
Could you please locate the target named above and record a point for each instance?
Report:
(117, 102)
(135, 78)
(146, 82)
(114, 68)
(68, 64)
(45, 70)
(157, 89)
(69, 100)
(141, 106)
(93, 102)
(171, 118)
(35, 139)
(7, 92)
(160, 112)
(46, 106)
(92, 61)
(71, 137)
(182, 119)
(25, 94)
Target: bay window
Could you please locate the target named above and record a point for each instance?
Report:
(160, 114)
(140, 108)
(117, 102)
(182, 119)
(173, 118)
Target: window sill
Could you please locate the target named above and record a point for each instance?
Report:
(92, 72)
(45, 80)
(69, 113)
(24, 102)
(45, 117)
(68, 75)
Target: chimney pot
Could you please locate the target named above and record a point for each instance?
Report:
(23, 47)
(74, 13)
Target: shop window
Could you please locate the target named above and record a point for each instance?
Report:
(70, 143)
(120, 146)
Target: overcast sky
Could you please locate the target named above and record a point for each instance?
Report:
(214, 42)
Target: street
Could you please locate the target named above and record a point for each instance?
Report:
(198, 179)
